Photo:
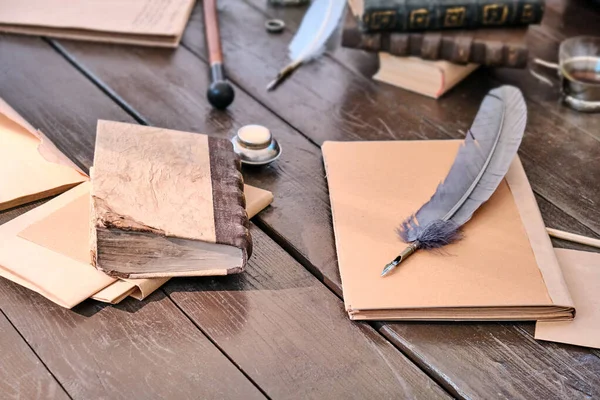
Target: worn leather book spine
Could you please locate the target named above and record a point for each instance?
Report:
(492, 47)
(423, 15)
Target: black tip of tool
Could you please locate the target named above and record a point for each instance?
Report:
(220, 94)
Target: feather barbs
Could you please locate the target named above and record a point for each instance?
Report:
(480, 165)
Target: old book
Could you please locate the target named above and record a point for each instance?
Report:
(582, 273)
(419, 15)
(47, 250)
(503, 269)
(141, 22)
(489, 47)
(166, 203)
(429, 78)
(31, 168)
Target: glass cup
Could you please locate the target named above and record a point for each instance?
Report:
(579, 72)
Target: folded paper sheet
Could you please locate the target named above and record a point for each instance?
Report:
(32, 168)
(47, 250)
(581, 270)
(142, 22)
(504, 268)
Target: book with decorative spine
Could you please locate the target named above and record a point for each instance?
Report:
(166, 203)
(421, 15)
(489, 47)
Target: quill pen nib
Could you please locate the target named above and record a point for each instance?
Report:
(412, 247)
(283, 75)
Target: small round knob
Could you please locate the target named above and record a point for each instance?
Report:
(220, 94)
(255, 136)
(255, 145)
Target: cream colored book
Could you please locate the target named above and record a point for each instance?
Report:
(429, 78)
(47, 250)
(504, 268)
(141, 22)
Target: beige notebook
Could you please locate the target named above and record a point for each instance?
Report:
(47, 250)
(582, 273)
(31, 168)
(504, 268)
(141, 22)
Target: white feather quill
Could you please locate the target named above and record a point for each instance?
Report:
(317, 26)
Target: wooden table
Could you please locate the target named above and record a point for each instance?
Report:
(279, 330)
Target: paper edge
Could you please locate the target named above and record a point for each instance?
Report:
(543, 250)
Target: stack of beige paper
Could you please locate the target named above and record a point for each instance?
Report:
(504, 269)
(141, 22)
(47, 249)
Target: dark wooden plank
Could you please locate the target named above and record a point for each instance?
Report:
(279, 323)
(22, 375)
(148, 350)
(299, 175)
(529, 369)
(133, 350)
(24, 87)
(557, 219)
(275, 294)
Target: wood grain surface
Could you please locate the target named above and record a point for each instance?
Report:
(133, 350)
(277, 312)
(276, 323)
(22, 374)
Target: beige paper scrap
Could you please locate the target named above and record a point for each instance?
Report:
(581, 270)
(31, 168)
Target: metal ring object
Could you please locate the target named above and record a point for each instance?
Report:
(274, 26)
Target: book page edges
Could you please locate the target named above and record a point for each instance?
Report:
(501, 313)
(447, 74)
(171, 41)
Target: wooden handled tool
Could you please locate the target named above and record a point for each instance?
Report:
(220, 93)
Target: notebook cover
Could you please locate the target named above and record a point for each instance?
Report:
(47, 251)
(150, 183)
(31, 168)
(581, 270)
(505, 260)
(140, 22)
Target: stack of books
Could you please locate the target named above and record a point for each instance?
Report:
(428, 46)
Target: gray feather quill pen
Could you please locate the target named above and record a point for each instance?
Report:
(318, 24)
(480, 165)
